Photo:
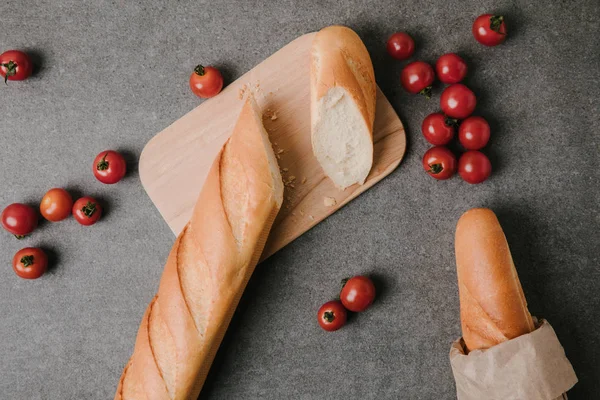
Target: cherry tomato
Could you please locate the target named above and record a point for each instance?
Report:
(30, 263)
(489, 29)
(438, 129)
(417, 77)
(458, 101)
(474, 133)
(474, 167)
(451, 68)
(358, 293)
(87, 211)
(439, 162)
(401, 46)
(109, 167)
(332, 315)
(15, 65)
(19, 219)
(206, 82)
(56, 205)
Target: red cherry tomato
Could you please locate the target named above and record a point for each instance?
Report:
(15, 65)
(358, 293)
(56, 205)
(474, 133)
(438, 129)
(474, 167)
(30, 263)
(439, 162)
(87, 211)
(19, 219)
(417, 77)
(109, 167)
(451, 68)
(332, 315)
(489, 29)
(401, 46)
(206, 82)
(458, 101)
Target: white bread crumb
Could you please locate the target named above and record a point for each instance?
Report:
(329, 201)
(242, 92)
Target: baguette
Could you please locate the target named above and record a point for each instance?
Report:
(492, 304)
(207, 269)
(343, 93)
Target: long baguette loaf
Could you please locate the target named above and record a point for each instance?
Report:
(343, 95)
(207, 269)
(492, 304)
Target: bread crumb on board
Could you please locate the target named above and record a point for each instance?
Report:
(311, 217)
(329, 201)
(303, 180)
(289, 182)
(253, 88)
(242, 91)
(270, 114)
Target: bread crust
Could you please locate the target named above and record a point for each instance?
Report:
(493, 308)
(207, 269)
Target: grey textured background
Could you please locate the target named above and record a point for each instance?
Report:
(114, 73)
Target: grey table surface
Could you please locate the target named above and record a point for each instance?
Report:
(114, 73)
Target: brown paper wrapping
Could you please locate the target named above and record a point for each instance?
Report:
(530, 367)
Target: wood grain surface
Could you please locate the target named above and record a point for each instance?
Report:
(174, 164)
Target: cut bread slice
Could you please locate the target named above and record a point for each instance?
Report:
(343, 93)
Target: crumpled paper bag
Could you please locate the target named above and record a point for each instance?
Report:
(529, 367)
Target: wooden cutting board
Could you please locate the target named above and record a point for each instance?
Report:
(174, 164)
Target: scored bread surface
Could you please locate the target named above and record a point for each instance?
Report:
(207, 268)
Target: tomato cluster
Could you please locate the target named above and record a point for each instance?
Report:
(57, 205)
(357, 295)
(473, 134)
(109, 167)
(457, 103)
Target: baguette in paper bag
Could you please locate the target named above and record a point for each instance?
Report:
(501, 354)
